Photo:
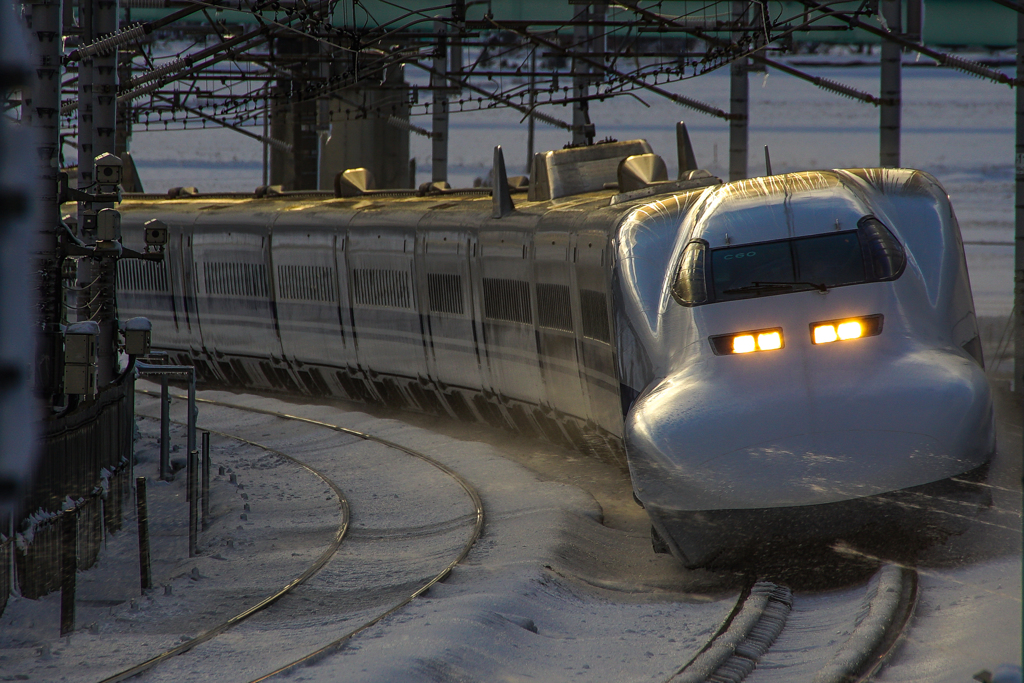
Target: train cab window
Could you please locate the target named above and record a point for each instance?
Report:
(833, 260)
(868, 254)
(819, 262)
(690, 288)
(884, 253)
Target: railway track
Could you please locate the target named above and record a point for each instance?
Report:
(744, 648)
(766, 638)
(325, 557)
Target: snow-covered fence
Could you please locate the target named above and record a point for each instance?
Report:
(86, 464)
(6, 575)
(39, 547)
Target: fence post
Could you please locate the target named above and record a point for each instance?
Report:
(143, 516)
(165, 426)
(206, 480)
(69, 569)
(193, 501)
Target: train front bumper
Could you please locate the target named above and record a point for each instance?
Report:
(916, 515)
(754, 436)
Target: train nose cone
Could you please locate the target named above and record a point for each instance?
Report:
(759, 436)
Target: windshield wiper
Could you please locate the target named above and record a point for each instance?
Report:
(762, 286)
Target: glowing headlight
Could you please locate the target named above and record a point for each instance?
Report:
(743, 343)
(766, 341)
(842, 330)
(747, 342)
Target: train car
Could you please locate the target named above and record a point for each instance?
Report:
(771, 358)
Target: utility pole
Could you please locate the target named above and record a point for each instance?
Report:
(439, 155)
(739, 100)
(41, 108)
(889, 112)
(533, 102)
(102, 290)
(85, 103)
(580, 107)
(1018, 260)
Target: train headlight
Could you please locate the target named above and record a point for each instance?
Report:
(828, 331)
(747, 342)
(767, 341)
(743, 343)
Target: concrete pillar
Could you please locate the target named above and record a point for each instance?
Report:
(293, 117)
(358, 141)
(889, 112)
(739, 105)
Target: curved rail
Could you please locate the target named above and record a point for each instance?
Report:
(760, 616)
(336, 644)
(316, 566)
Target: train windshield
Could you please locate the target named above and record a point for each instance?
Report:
(816, 262)
(868, 254)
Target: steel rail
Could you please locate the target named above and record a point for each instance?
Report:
(336, 644)
(316, 566)
(753, 625)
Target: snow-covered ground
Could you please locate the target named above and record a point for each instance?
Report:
(562, 586)
(547, 593)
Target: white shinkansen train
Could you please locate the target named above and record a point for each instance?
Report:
(786, 357)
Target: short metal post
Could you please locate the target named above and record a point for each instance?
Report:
(69, 569)
(206, 480)
(165, 426)
(193, 501)
(193, 411)
(142, 512)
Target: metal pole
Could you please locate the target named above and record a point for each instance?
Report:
(104, 95)
(266, 133)
(739, 102)
(580, 106)
(69, 569)
(206, 480)
(1018, 265)
(533, 101)
(439, 169)
(889, 114)
(85, 104)
(142, 511)
(165, 425)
